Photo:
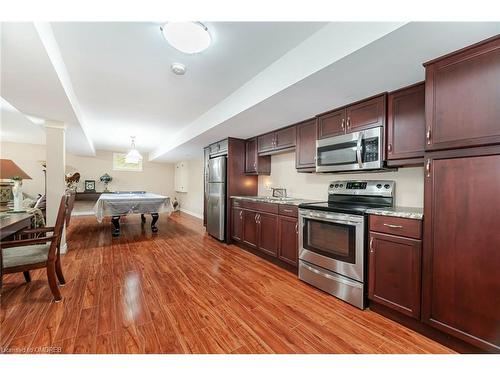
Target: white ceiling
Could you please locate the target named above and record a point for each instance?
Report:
(17, 127)
(111, 80)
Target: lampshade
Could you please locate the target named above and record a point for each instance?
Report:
(10, 170)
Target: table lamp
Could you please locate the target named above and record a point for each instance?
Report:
(10, 170)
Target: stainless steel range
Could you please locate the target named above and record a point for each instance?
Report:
(332, 239)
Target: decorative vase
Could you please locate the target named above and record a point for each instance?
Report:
(17, 191)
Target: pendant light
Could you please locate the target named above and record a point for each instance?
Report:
(133, 156)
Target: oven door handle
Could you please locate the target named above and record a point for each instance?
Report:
(359, 147)
(337, 221)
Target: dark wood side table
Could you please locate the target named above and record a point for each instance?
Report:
(87, 195)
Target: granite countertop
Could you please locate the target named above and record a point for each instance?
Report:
(404, 212)
(265, 199)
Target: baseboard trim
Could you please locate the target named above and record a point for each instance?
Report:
(199, 216)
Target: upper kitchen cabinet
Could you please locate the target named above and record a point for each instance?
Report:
(276, 141)
(462, 96)
(461, 256)
(255, 164)
(332, 123)
(406, 126)
(305, 150)
(218, 148)
(366, 114)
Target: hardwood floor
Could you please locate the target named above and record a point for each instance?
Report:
(180, 291)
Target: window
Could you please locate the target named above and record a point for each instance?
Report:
(119, 163)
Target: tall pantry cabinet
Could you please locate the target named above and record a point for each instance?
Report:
(461, 255)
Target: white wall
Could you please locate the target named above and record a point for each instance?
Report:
(409, 181)
(192, 201)
(155, 177)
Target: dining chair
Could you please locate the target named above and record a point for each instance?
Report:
(41, 252)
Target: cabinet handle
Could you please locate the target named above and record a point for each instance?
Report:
(258, 222)
(389, 147)
(256, 215)
(393, 226)
(287, 210)
(348, 123)
(297, 228)
(241, 215)
(343, 124)
(428, 136)
(428, 168)
(371, 245)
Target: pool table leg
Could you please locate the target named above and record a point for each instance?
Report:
(143, 218)
(154, 228)
(116, 225)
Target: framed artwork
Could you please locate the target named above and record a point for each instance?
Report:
(119, 163)
(90, 185)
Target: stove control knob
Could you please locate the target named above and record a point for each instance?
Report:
(336, 185)
(331, 186)
(387, 186)
(379, 186)
(341, 185)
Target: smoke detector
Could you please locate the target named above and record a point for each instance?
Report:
(178, 68)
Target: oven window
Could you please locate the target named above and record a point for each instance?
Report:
(344, 153)
(333, 240)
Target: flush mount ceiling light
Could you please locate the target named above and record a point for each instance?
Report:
(187, 37)
(133, 156)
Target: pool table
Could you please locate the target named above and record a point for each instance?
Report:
(118, 204)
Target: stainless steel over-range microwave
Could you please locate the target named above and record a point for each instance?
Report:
(360, 150)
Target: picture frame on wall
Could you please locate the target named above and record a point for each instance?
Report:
(90, 186)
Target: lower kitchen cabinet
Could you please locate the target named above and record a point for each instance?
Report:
(267, 233)
(461, 262)
(237, 224)
(250, 228)
(288, 240)
(395, 272)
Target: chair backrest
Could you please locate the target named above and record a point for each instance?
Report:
(71, 204)
(58, 227)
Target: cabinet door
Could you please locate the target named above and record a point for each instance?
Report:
(462, 98)
(331, 124)
(237, 224)
(266, 142)
(394, 272)
(366, 115)
(250, 228)
(305, 151)
(288, 240)
(268, 233)
(285, 138)
(461, 285)
(251, 156)
(406, 123)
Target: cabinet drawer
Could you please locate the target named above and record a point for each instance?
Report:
(396, 225)
(288, 210)
(262, 207)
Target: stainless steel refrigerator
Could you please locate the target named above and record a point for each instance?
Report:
(216, 204)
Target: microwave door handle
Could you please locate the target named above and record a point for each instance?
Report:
(358, 150)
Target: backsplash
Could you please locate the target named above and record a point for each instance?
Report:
(409, 181)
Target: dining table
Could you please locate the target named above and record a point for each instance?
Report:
(13, 222)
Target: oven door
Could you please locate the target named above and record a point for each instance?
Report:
(333, 241)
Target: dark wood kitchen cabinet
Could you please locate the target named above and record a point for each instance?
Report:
(250, 228)
(461, 257)
(305, 151)
(288, 239)
(462, 94)
(255, 164)
(332, 123)
(237, 224)
(406, 126)
(366, 114)
(267, 233)
(395, 272)
(276, 141)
